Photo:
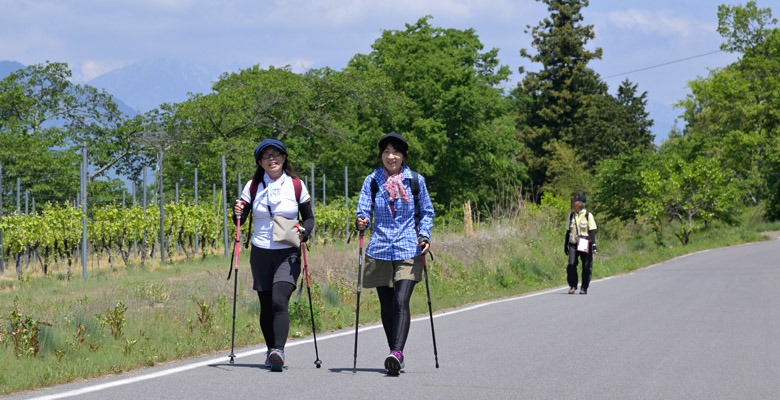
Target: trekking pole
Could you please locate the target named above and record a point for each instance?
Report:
(235, 287)
(317, 362)
(430, 310)
(357, 307)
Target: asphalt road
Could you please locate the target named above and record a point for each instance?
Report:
(703, 326)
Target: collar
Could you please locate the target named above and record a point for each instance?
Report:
(379, 174)
(269, 181)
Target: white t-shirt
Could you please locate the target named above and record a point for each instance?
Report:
(280, 196)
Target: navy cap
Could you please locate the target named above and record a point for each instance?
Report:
(579, 197)
(269, 142)
(399, 143)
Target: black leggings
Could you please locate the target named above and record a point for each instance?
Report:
(396, 318)
(274, 317)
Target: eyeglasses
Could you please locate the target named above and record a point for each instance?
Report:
(268, 155)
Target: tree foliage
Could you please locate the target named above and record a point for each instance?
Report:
(690, 193)
(453, 117)
(560, 90)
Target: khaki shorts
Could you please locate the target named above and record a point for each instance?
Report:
(385, 272)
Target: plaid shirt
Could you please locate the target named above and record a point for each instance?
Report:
(393, 235)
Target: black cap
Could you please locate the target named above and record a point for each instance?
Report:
(579, 197)
(398, 141)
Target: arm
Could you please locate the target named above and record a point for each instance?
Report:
(426, 210)
(244, 208)
(363, 211)
(307, 216)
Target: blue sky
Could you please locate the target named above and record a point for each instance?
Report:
(97, 36)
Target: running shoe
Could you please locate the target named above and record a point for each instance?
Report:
(276, 358)
(394, 363)
(267, 363)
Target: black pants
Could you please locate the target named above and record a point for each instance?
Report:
(587, 267)
(274, 317)
(396, 317)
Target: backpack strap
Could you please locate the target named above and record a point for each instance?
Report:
(374, 190)
(415, 184)
(298, 188)
(297, 184)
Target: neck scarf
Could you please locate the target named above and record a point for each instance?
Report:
(272, 194)
(395, 186)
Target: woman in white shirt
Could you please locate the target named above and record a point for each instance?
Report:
(274, 190)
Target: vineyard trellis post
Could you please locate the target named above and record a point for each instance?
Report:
(162, 202)
(173, 233)
(135, 241)
(313, 235)
(2, 246)
(224, 208)
(143, 241)
(196, 206)
(346, 202)
(84, 209)
(27, 212)
(18, 194)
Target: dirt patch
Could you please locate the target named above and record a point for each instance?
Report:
(772, 234)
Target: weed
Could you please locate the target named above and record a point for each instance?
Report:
(156, 293)
(129, 344)
(25, 332)
(115, 319)
(205, 317)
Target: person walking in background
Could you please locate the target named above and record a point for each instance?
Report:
(274, 190)
(580, 242)
(398, 201)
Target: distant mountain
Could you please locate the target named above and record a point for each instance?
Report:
(8, 67)
(144, 85)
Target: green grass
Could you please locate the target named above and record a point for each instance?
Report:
(184, 309)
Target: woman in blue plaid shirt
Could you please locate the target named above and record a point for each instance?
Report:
(398, 241)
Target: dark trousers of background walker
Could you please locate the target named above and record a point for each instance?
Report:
(571, 270)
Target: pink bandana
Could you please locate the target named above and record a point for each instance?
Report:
(395, 187)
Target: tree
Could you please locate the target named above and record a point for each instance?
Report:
(453, 121)
(743, 27)
(323, 116)
(561, 89)
(733, 113)
(42, 112)
(567, 174)
(689, 193)
(619, 184)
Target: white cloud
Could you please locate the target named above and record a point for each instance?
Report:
(663, 23)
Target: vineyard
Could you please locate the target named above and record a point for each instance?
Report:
(53, 236)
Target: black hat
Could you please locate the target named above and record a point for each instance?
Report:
(579, 197)
(266, 143)
(399, 143)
